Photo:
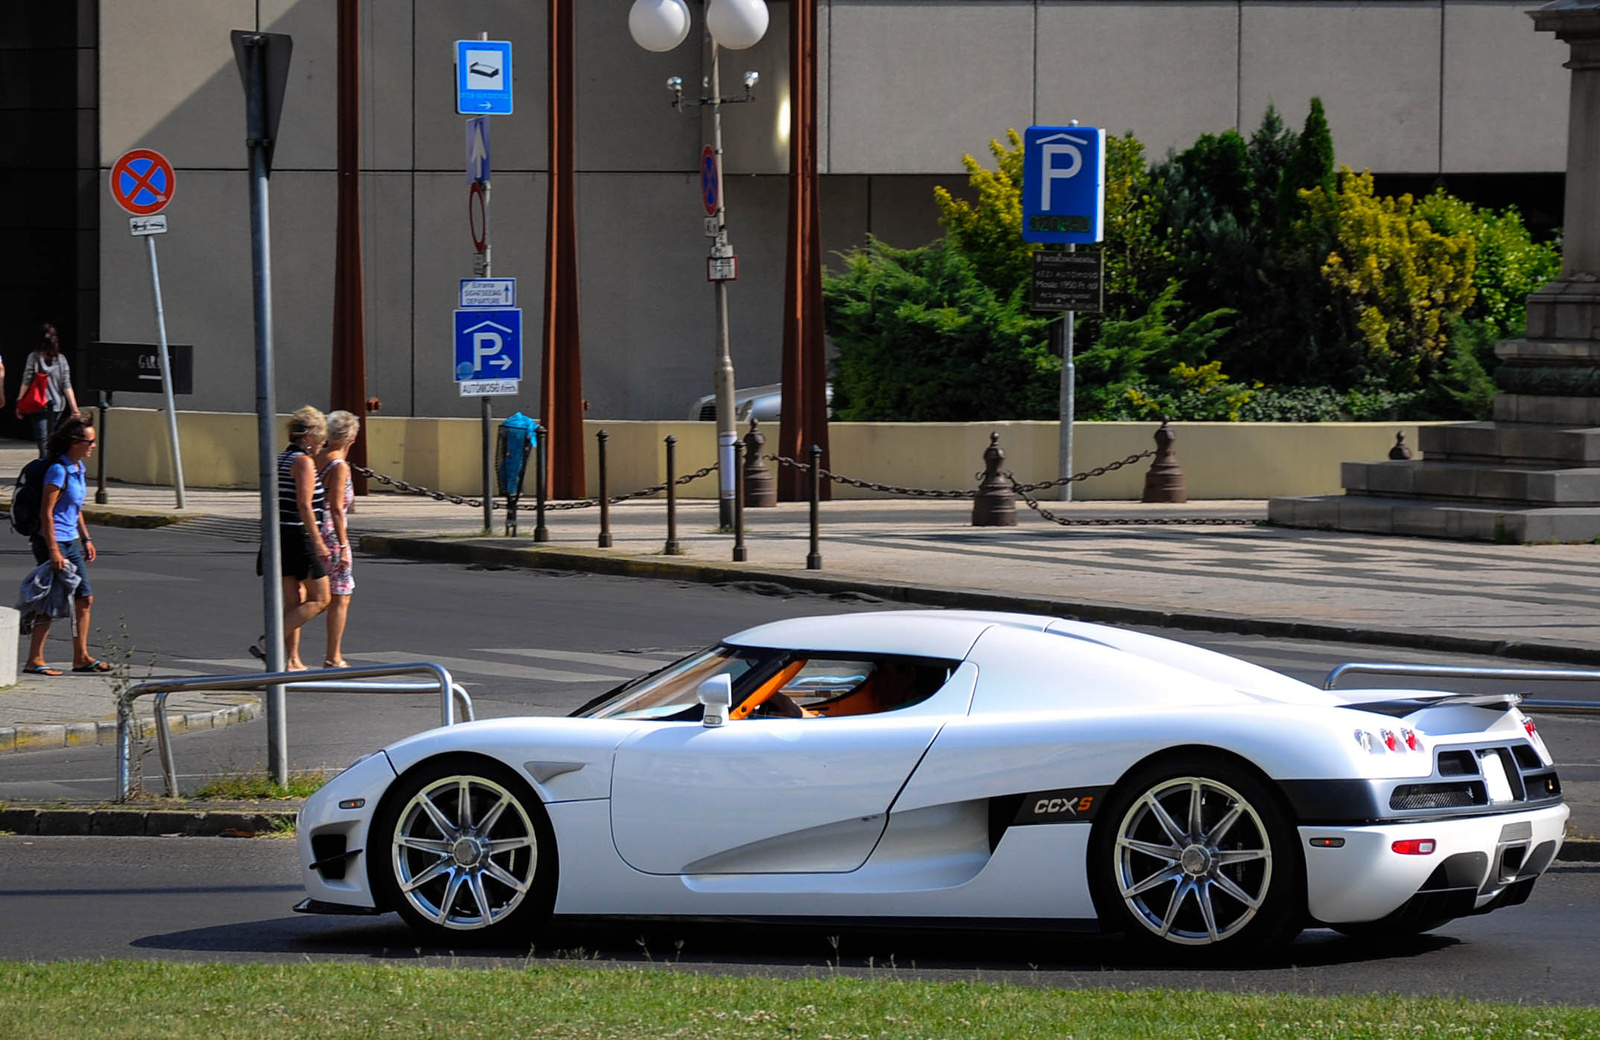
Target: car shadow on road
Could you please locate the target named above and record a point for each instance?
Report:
(782, 948)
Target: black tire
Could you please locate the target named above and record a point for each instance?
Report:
(446, 877)
(1219, 875)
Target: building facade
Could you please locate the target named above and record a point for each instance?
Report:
(1460, 92)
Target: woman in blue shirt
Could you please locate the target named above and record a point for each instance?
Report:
(61, 527)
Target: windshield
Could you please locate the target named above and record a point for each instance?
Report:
(673, 692)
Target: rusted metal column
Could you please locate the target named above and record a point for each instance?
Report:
(814, 557)
(561, 372)
(804, 418)
(759, 490)
(672, 548)
(348, 377)
(1164, 482)
(996, 502)
(605, 499)
(739, 554)
(541, 533)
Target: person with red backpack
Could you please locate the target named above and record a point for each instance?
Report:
(46, 396)
(61, 528)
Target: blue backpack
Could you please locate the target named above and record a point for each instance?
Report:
(27, 497)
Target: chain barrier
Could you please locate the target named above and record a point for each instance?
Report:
(1022, 490)
(893, 489)
(417, 489)
(1132, 521)
(477, 503)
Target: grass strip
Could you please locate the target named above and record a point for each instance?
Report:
(258, 785)
(329, 1001)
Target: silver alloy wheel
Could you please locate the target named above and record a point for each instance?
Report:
(464, 852)
(1193, 861)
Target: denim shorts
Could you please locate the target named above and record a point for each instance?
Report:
(73, 551)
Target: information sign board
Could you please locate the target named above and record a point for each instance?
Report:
(488, 292)
(488, 344)
(1067, 281)
(136, 367)
(483, 77)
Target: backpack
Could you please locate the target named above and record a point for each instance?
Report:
(27, 497)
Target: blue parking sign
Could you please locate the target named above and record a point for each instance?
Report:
(488, 344)
(1063, 184)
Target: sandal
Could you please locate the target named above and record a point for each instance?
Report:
(258, 649)
(41, 669)
(335, 664)
(92, 666)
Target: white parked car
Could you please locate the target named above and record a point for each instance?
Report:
(935, 767)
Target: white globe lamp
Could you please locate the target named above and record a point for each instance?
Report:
(736, 24)
(659, 25)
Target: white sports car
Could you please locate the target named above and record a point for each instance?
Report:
(944, 767)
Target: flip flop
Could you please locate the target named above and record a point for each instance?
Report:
(41, 669)
(92, 666)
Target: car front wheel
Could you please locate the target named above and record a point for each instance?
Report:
(467, 850)
(1195, 856)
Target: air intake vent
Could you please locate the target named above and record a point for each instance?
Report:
(331, 858)
(1458, 763)
(708, 411)
(1438, 796)
(1526, 757)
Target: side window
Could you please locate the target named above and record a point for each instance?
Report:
(815, 686)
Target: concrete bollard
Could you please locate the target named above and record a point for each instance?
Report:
(996, 502)
(760, 490)
(1401, 450)
(1163, 481)
(10, 627)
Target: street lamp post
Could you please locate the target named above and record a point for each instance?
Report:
(660, 25)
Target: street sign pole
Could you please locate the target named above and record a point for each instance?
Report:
(727, 433)
(484, 402)
(259, 141)
(1061, 331)
(166, 375)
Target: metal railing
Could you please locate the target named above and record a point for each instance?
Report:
(1442, 671)
(320, 680)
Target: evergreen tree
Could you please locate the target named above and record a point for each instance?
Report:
(1310, 166)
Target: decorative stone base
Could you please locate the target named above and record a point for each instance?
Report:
(1433, 519)
(1560, 411)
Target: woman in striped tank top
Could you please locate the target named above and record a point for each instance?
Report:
(305, 558)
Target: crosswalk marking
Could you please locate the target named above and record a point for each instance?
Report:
(629, 664)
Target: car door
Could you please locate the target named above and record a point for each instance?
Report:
(770, 795)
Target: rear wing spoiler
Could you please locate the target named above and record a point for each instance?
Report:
(1502, 701)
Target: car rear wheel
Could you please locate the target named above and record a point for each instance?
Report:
(1195, 856)
(464, 848)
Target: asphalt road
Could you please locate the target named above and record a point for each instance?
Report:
(545, 642)
(219, 899)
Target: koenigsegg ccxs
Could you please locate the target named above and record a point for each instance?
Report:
(928, 767)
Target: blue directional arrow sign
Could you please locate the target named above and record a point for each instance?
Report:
(483, 77)
(1063, 184)
(488, 344)
(478, 149)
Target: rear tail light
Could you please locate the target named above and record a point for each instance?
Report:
(1529, 727)
(1414, 846)
(1364, 739)
(1390, 741)
(1413, 739)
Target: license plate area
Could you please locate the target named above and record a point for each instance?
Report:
(1495, 780)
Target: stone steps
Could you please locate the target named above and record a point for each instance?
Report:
(1431, 518)
(1482, 483)
(1521, 443)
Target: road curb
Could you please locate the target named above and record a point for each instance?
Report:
(122, 516)
(148, 823)
(29, 736)
(494, 552)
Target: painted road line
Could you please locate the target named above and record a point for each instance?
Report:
(474, 666)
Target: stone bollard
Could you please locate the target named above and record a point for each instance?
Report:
(1401, 450)
(1163, 481)
(760, 490)
(996, 501)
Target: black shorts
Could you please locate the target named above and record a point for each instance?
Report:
(299, 560)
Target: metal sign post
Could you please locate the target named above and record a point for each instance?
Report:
(143, 182)
(1063, 203)
(264, 64)
(484, 88)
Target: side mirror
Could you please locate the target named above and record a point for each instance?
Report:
(716, 697)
